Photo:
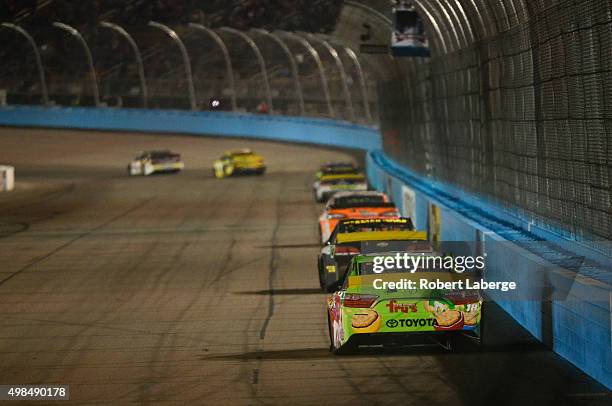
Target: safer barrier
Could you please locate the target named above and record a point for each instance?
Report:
(564, 299)
(280, 128)
(7, 178)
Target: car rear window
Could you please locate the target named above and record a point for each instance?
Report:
(163, 154)
(360, 201)
(340, 170)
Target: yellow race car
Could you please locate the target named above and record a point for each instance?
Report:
(240, 162)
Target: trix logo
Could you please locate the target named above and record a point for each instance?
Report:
(395, 307)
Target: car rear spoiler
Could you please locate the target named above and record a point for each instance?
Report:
(382, 236)
(340, 206)
(344, 176)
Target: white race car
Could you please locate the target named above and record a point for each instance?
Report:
(150, 162)
(328, 185)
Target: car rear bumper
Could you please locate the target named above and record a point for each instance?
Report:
(249, 169)
(405, 339)
(328, 192)
(170, 167)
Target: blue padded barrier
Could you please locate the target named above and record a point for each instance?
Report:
(279, 128)
(575, 321)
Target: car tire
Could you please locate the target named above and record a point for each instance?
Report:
(320, 268)
(346, 349)
(482, 328)
(330, 287)
(322, 197)
(329, 280)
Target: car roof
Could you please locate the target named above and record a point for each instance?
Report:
(367, 258)
(340, 176)
(338, 164)
(243, 151)
(157, 152)
(365, 193)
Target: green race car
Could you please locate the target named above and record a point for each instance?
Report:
(384, 308)
(350, 236)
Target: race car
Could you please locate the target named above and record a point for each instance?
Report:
(355, 205)
(336, 168)
(351, 235)
(328, 185)
(150, 162)
(363, 312)
(239, 162)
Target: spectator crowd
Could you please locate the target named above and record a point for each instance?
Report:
(304, 15)
(66, 68)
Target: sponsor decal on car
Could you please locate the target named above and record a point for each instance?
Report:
(399, 323)
(395, 307)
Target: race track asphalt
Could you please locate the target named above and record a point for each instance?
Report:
(187, 290)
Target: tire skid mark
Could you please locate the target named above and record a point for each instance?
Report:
(73, 240)
(249, 366)
(143, 392)
(10, 229)
(272, 265)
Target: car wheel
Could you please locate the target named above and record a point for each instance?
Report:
(329, 279)
(320, 269)
(326, 283)
(482, 328)
(330, 284)
(346, 349)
